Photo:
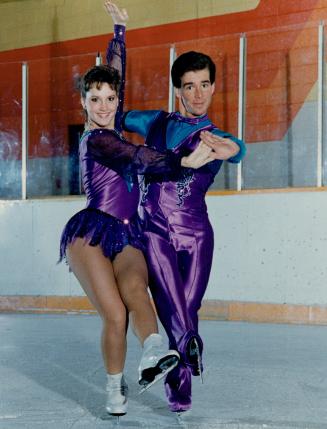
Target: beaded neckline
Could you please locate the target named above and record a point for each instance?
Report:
(178, 117)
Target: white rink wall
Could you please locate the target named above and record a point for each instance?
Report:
(269, 247)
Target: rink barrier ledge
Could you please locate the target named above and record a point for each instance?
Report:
(211, 309)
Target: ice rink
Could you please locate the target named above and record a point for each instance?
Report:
(256, 376)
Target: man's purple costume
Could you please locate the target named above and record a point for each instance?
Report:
(179, 237)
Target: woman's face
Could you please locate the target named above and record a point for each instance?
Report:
(101, 106)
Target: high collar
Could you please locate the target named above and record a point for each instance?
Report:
(193, 121)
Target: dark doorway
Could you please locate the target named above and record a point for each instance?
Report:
(74, 175)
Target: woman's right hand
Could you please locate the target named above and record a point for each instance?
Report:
(119, 16)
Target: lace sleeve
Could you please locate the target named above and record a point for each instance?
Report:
(108, 148)
(116, 58)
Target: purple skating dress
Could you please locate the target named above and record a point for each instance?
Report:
(110, 166)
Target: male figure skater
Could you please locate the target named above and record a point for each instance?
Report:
(179, 237)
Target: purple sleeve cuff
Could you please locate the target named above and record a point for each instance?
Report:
(119, 32)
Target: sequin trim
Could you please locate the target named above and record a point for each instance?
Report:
(194, 121)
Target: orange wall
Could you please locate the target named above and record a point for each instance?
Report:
(281, 71)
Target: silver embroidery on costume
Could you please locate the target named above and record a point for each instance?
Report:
(144, 188)
(183, 186)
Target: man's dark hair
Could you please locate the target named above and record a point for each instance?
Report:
(98, 75)
(191, 61)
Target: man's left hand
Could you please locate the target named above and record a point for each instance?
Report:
(222, 148)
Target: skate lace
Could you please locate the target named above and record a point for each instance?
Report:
(193, 348)
(124, 389)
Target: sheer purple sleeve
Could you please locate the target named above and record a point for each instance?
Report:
(116, 58)
(108, 148)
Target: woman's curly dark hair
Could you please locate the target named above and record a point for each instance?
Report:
(98, 75)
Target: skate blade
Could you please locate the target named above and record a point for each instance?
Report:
(159, 376)
(197, 351)
(200, 369)
(182, 417)
(118, 416)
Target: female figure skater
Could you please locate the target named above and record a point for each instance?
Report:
(102, 243)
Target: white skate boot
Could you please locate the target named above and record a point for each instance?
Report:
(117, 390)
(155, 363)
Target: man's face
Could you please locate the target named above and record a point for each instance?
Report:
(101, 106)
(195, 93)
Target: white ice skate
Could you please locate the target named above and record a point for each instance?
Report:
(117, 390)
(155, 363)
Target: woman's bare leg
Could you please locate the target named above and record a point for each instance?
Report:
(95, 273)
(132, 278)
